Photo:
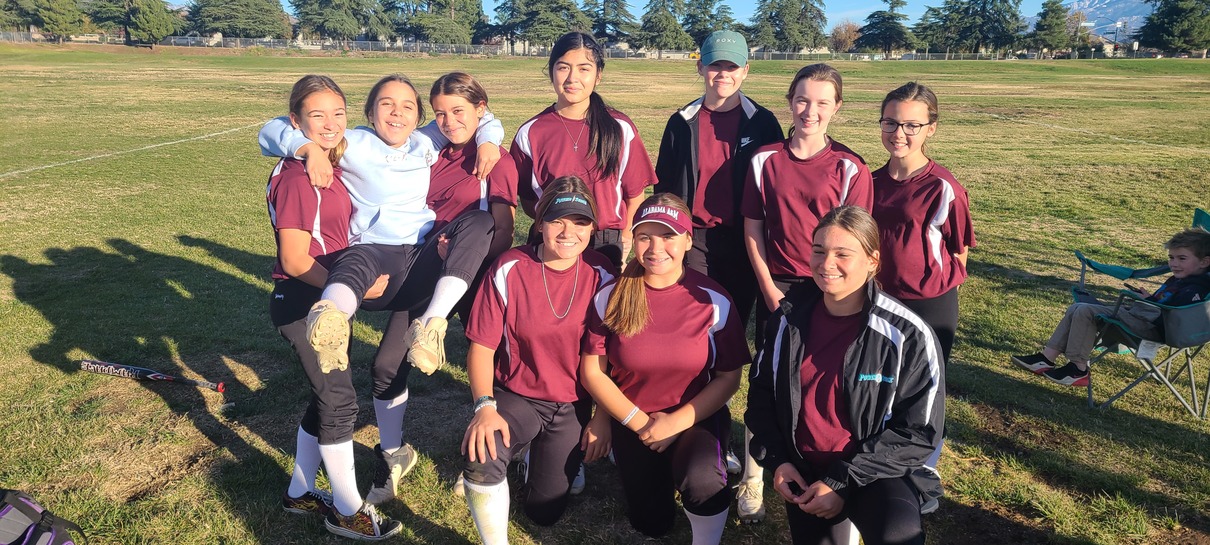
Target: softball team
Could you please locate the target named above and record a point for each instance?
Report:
(923, 215)
(523, 366)
(579, 135)
(569, 363)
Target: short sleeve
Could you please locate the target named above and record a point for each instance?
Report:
(639, 173)
(486, 323)
(753, 206)
(502, 182)
(295, 202)
(960, 229)
(596, 332)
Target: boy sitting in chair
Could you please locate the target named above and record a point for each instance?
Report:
(1189, 259)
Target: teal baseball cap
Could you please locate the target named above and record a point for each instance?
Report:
(725, 45)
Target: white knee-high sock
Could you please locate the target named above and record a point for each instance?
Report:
(489, 510)
(389, 414)
(448, 292)
(346, 301)
(306, 464)
(338, 462)
(707, 530)
(753, 473)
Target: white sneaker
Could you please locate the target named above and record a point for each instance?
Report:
(460, 486)
(734, 466)
(427, 352)
(750, 502)
(577, 484)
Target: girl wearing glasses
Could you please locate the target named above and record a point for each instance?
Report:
(923, 215)
(792, 184)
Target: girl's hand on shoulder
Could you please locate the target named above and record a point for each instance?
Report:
(822, 501)
(597, 435)
(485, 160)
(479, 442)
(319, 167)
(788, 482)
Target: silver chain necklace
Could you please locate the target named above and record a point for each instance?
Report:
(549, 301)
(575, 142)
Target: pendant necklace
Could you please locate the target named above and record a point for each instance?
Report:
(549, 301)
(575, 142)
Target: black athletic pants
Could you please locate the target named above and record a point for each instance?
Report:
(694, 465)
(940, 313)
(719, 253)
(885, 512)
(553, 432)
(408, 293)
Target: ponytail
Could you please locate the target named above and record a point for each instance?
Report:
(628, 313)
(604, 137)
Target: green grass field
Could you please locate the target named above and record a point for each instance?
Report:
(133, 229)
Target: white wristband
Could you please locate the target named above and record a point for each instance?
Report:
(630, 416)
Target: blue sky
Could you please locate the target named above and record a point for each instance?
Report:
(837, 11)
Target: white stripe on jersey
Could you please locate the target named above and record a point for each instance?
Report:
(721, 307)
(500, 280)
(931, 354)
(268, 191)
(758, 166)
(601, 300)
(522, 140)
(628, 136)
(483, 194)
(692, 109)
(934, 228)
(605, 276)
(316, 231)
(850, 172)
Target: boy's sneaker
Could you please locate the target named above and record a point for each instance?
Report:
(366, 524)
(1068, 375)
(734, 466)
(427, 351)
(1034, 363)
(317, 502)
(750, 502)
(388, 471)
(328, 333)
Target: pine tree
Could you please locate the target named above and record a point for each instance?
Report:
(142, 21)
(1178, 25)
(703, 17)
(661, 30)
(615, 23)
(990, 24)
(1050, 32)
(791, 24)
(240, 18)
(884, 30)
(60, 18)
(546, 20)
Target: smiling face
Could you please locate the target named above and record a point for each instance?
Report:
(723, 78)
(322, 118)
(661, 251)
(812, 105)
(565, 238)
(1185, 263)
(457, 117)
(395, 113)
(899, 143)
(574, 77)
(839, 264)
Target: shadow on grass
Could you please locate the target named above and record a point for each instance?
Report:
(129, 305)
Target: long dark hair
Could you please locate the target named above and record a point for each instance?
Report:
(604, 133)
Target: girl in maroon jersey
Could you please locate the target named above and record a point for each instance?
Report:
(923, 215)
(662, 356)
(311, 227)
(794, 183)
(523, 366)
(580, 135)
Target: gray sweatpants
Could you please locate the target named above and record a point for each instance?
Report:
(1077, 331)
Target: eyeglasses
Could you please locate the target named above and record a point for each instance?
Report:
(889, 126)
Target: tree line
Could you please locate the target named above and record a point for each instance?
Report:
(955, 26)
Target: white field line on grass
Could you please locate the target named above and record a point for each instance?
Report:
(1098, 134)
(124, 152)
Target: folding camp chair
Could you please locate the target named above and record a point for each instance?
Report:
(1185, 332)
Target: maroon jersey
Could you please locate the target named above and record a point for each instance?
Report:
(694, 330)
(453, 189)
(922, 222)
(791, 195)
(516, 313)
(545, 148)
(295, 204)
(717, 138)
(823, 433)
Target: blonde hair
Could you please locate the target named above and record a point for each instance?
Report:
(628, 312)
(307, 86)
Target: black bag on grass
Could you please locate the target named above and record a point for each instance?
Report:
(25, 522)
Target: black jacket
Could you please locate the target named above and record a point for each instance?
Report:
(676, 165)
(894, 382)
